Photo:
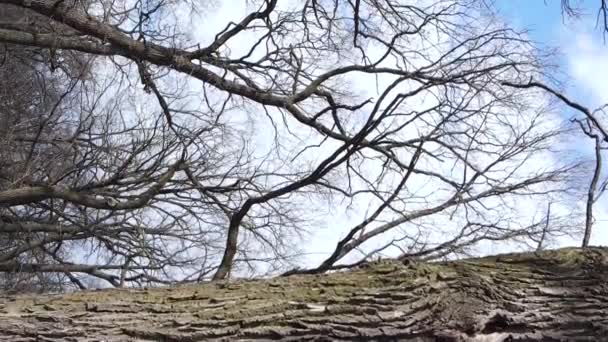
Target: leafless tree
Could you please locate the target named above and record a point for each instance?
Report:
(592, 124)
(595, 189)
(415, 110)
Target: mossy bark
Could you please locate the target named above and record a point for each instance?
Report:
(559, 295)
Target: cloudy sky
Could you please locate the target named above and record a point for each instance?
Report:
(583, 58)
(581, 43)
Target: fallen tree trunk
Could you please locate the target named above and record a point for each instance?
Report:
(559, 295)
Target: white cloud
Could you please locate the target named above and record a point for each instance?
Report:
(587, 58)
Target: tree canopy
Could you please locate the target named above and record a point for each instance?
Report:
(149, 142)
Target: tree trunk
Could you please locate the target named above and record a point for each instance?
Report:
(559, 295)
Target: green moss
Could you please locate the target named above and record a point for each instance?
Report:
(252, 298)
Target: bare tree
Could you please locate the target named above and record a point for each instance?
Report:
(249, 136)
(592, 125)
(594, 193)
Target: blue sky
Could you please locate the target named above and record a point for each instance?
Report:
(579, 41)
(539, 17)
(544, 18)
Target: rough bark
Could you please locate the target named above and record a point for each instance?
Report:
(559, 295)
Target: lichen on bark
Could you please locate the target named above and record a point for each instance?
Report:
(547, 296)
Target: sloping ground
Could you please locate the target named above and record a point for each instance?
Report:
(551, 296)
